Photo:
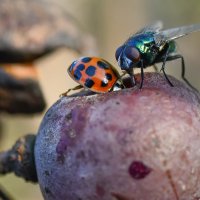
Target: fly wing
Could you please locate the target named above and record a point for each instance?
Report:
(154, 27)
(174, 33)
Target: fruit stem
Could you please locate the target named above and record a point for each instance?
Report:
(20, 159)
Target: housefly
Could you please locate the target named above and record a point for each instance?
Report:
(150, 46)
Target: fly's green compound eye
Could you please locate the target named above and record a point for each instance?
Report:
(132, 53)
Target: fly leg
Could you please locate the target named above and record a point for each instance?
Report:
(120, 78)
(142, 74)
(130, 72)
(178, 56)
(163, 67)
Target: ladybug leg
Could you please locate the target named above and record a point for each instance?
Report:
(75, 88)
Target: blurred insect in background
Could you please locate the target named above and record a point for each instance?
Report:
(152, 45)
(95, 74)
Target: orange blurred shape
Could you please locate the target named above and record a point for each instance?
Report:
(21, 71)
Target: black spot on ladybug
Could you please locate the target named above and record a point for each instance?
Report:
(108, 76)
(90, 71)
(102, 65)
(77, 74)
(104, 84)
(80, 67)
(89, 83)
(86, 59)
(71, 67)
(138, 170)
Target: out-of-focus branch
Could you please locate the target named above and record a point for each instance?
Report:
(32, 29)
(20, 159)
(20, 95)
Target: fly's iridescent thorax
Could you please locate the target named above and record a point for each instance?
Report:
(143, 43)
(94, 73)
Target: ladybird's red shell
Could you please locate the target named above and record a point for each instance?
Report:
(94, 73)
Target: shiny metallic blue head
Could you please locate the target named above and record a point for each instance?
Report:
(127, 57)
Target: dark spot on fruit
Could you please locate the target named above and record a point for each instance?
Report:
(74, 124)
(69, 116)
(89, 83)
(90, 71)
(117, 103)
(46, 173)
(80, 155)
(86, 59)
(48, 115)
(138, 170)
(103, 65)
(100, 191)
(79, 117)
(130, 131)
(48, 191)
(61, 148)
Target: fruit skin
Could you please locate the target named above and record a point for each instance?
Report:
(87, 147)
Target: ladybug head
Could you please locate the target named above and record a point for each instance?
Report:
(127, 57)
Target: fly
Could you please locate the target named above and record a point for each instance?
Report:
(150, 46)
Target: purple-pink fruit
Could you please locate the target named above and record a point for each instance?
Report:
(127, 145)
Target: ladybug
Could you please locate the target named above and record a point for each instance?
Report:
(95, 74)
